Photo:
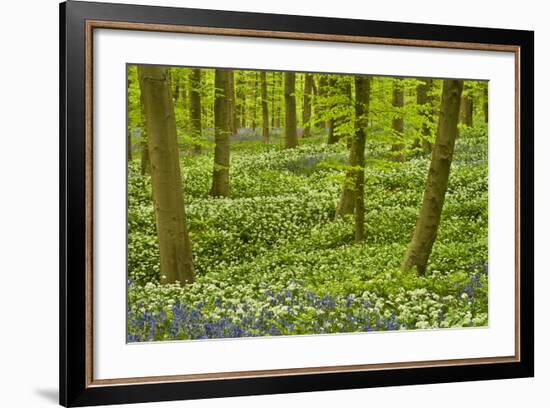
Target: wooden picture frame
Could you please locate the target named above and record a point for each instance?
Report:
(78, 20)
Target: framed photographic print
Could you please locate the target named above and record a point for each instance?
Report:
(256, 203)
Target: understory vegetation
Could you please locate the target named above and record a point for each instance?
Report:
(274, 260)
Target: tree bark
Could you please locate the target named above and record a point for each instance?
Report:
(291, 136)
(362, 102)
(329, 92)
(265, 108)
(273, 99)
(425, 101)
(427, 224)
(352, 197)
(222, 130)
(145, 161)
(232, 103)
(466, 109)
(129, 136)
(306, 117)
(176, 260)
(486, 102)
(321, 96)
(277, 111)
(195, 119)
(398, 102)
(238, 100)
(255, 100)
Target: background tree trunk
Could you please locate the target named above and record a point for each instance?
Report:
(321, 106)
(291, 136)
(255, 101)
(277, 110)
(222, 130)
(329, 92)
(306, 117)
(232, 103)
(362, 102)
(176, 260)
(195, 119)
(466, 109)
(427, 224)
(486, 102)
(398, 102)
(425, 101)
(352, 191)
(129, 136)
(265, 108)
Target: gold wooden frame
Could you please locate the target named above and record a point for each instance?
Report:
(99, 24)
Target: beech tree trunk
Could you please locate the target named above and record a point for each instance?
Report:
(291, 136)
(195, 120)
(321, 95)
(486, 102)
(398, 102)
(176, 260)
(272, 100)
(306, 117)
(331, 84)
(255, 101)
(348, 92)
(179, 93)
(129, 135)
(427, 224)
(265, 108)
(232, 103)
(222, 131)
(466, 110)
(425, 101)
(362, 102)
(277, 101)
(239, 100)
(352, 197)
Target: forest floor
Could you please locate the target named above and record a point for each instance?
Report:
(272, 259)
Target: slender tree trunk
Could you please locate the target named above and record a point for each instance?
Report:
(129, 146)
(176, 260)
(427, 224)
(179, 93)
(352, 191)
(348, 92)
(275, 112)
(331, 138)
(255, 105)
(129, 135)
(195, 119)
(466, 109)
(222, 130)
(232, 103)
(244, 121)
(321, 102)
(362, 102)
(291, 136)
(486, 102)
(265, 109)
(330, 91)
(425, 101)
(398, 102)
(273, 99)
(306, 117)
(175, 84)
